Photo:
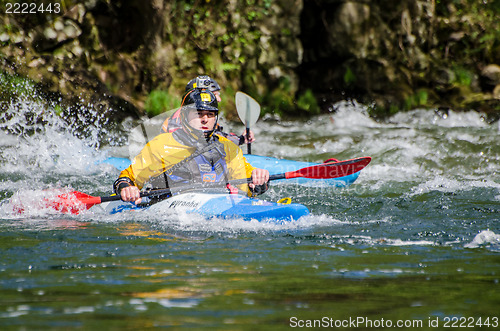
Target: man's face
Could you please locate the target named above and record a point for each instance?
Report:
(202, 120)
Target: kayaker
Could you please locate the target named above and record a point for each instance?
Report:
(205, 82)
(192, 154)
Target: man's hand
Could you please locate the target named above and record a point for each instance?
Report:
(251, 135)
(132, 194)
(259, 177)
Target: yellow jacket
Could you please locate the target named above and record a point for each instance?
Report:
(164, 151)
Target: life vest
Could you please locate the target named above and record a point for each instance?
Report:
(207, 167)
(172, 159)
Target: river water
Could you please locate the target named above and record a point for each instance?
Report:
(414, 242)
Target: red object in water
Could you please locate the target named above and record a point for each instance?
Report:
(73, 202)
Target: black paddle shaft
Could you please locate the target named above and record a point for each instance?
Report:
(249, 144)
(189, 187)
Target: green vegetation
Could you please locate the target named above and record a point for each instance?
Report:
(419, 99)
(13, 85)
(307, 101)
(280, 99)
(425, 54)
(462, 76)
(160, 101)
(478, 21)
(349, 77)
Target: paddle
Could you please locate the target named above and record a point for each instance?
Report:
(248, 110)
(74, 202)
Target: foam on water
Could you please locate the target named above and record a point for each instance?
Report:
(451, 119)
(483, 238)
(444, 184)
(181, 221)
(415, 141)
(414, 153)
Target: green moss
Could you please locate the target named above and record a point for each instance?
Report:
(349, 77)
(225, 42)
(13, 86)
(230, 66)
(58, 110)
(160, 101)
(279, 102)
(307, 102)
(393, 109)
(226, 106)
(463, 76)
(419, 99)
(282, 101)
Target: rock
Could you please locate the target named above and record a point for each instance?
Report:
(4, 37)
(457, 36)
(491, 75)
(36, 63)
(57, 33)
(496, 92)
(49, 33)
(76, 13)
(349, 29)
(70, 30)
(373, 51)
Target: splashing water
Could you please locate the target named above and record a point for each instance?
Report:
(416, 236)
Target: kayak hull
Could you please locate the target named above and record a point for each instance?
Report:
(218, 205)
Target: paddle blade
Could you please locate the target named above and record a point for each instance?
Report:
(42, 202)
(73, 202)
(248, 109)
(331, 169)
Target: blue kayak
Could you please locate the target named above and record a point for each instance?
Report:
(218, 205)
(274, 166)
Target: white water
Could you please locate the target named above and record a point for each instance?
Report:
(415, 154)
